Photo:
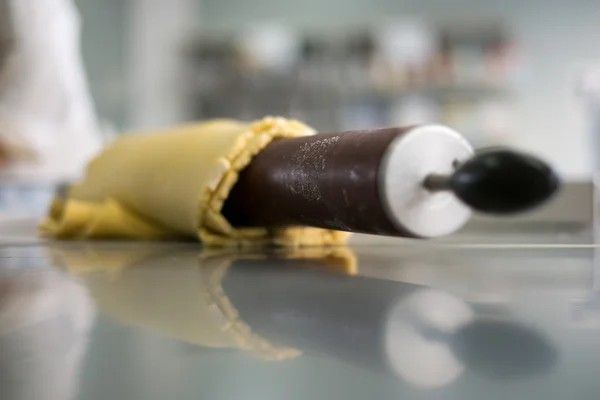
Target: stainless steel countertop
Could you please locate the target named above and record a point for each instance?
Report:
(472, 317)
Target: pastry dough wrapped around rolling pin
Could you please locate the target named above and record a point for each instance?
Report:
(172, 184)
(274, 181)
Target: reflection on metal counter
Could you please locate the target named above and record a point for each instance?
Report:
(45, 319)
(281, 305)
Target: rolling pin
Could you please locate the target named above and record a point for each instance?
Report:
(420, 181)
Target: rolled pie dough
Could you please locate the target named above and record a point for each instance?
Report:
(172, 184)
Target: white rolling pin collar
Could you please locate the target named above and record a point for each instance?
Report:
(423, 150)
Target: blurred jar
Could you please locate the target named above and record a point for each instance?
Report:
(268, 46)
(403, 50)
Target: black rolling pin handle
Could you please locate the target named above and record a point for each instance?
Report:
(499, 181)
(438, 182)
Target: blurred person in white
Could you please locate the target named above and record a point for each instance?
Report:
(48, 126)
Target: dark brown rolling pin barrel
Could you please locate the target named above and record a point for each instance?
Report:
(419, 181)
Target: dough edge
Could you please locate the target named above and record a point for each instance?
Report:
(216, 231)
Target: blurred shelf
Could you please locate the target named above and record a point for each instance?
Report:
(473, 92)
(458, 73)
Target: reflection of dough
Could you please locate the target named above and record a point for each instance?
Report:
(173, 184)
(416, 358)
(177, 292)
(183, 300)
(333, 259)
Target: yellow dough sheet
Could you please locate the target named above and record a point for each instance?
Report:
(172, 184)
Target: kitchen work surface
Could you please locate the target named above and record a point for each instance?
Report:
(378, 319)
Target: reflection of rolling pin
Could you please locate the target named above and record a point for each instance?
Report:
(416, 181)
(425, 336)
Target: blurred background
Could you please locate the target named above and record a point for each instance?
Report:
(520, 73)
(512, 72)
